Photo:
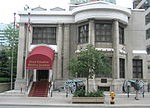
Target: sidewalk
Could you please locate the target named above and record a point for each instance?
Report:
(123, 99)
(60, 99)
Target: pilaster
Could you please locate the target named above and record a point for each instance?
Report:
(91, 32)
(20, 59)
(66, 51)
(60, 52)
(116, 49)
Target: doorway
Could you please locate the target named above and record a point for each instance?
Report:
(42, 75)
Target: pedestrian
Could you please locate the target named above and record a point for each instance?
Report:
(137, 88)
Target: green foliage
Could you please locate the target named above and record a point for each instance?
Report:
(89, 62)
(95, 94)
(11, 35)
(11, 48)
(4, 64)
(81, 93)
(4, 80)
(149, 67)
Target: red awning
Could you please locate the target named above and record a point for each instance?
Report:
(41, 57)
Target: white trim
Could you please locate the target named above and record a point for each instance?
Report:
(139, 52)
(105, 49)
(50, 75)
(122, 52)
(99, 49)
(34, 75)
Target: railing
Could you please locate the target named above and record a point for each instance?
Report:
(29, 84)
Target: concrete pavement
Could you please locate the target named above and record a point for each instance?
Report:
(60, 99)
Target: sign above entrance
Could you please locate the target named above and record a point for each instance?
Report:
(41, 57)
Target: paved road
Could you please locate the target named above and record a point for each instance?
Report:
(59, 100)
(74, 106)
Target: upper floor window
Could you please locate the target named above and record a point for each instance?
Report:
(148, 33)
(103, 32)
(148, 50)
(137, 68)
(121, 35)
(83, 33)
(147, 18)
(122, 67)
(44, 35)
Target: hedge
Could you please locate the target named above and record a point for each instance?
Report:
(4, 80)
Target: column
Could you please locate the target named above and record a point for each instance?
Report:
(34, 75)
(60, 46)
(28, 45)
(20, 59)
(91, 32)
(66, 51)
(50, 75)
(116, 50)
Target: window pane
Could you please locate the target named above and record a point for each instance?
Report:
(147, 18)
(83, 34)
(121, 35)
(148, 33)
(45, 35)
(122, 67)
(137, 68)
(103, 32)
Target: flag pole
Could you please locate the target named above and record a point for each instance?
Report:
(12, 58)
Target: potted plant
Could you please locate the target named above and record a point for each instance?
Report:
(81, 96)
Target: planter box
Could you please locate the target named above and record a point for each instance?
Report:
(4, 87)
(97, 100)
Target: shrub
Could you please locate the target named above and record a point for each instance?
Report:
(3, 80)
(81, 93)
(95, 94)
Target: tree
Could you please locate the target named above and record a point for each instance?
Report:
(89, 62)
(11, 34)
(4, 65)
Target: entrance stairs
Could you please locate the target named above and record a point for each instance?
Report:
(39, 89)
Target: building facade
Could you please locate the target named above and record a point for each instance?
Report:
(145, 4)
(49, 38)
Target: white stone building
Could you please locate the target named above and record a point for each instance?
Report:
(49, 38)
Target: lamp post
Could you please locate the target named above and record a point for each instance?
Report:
(12, 58)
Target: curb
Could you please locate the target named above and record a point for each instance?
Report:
(80, 105)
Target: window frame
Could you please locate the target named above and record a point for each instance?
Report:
(85, 33)
(105, 37)
(137, 68)
(121, 35)
(148, 34)
(49, 37)
(122, 67)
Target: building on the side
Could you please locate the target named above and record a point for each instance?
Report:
(145, 4)
(2, 37)
(49, 38)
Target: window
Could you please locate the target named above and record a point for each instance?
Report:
(147, 18)
(121, 35)
(148, 33)
(137, 68)
(122, 67)
(148, 50)
(103, 32)
(44, 35)
(109, 64)
(83, 34)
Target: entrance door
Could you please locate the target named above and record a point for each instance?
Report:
(42, 75)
